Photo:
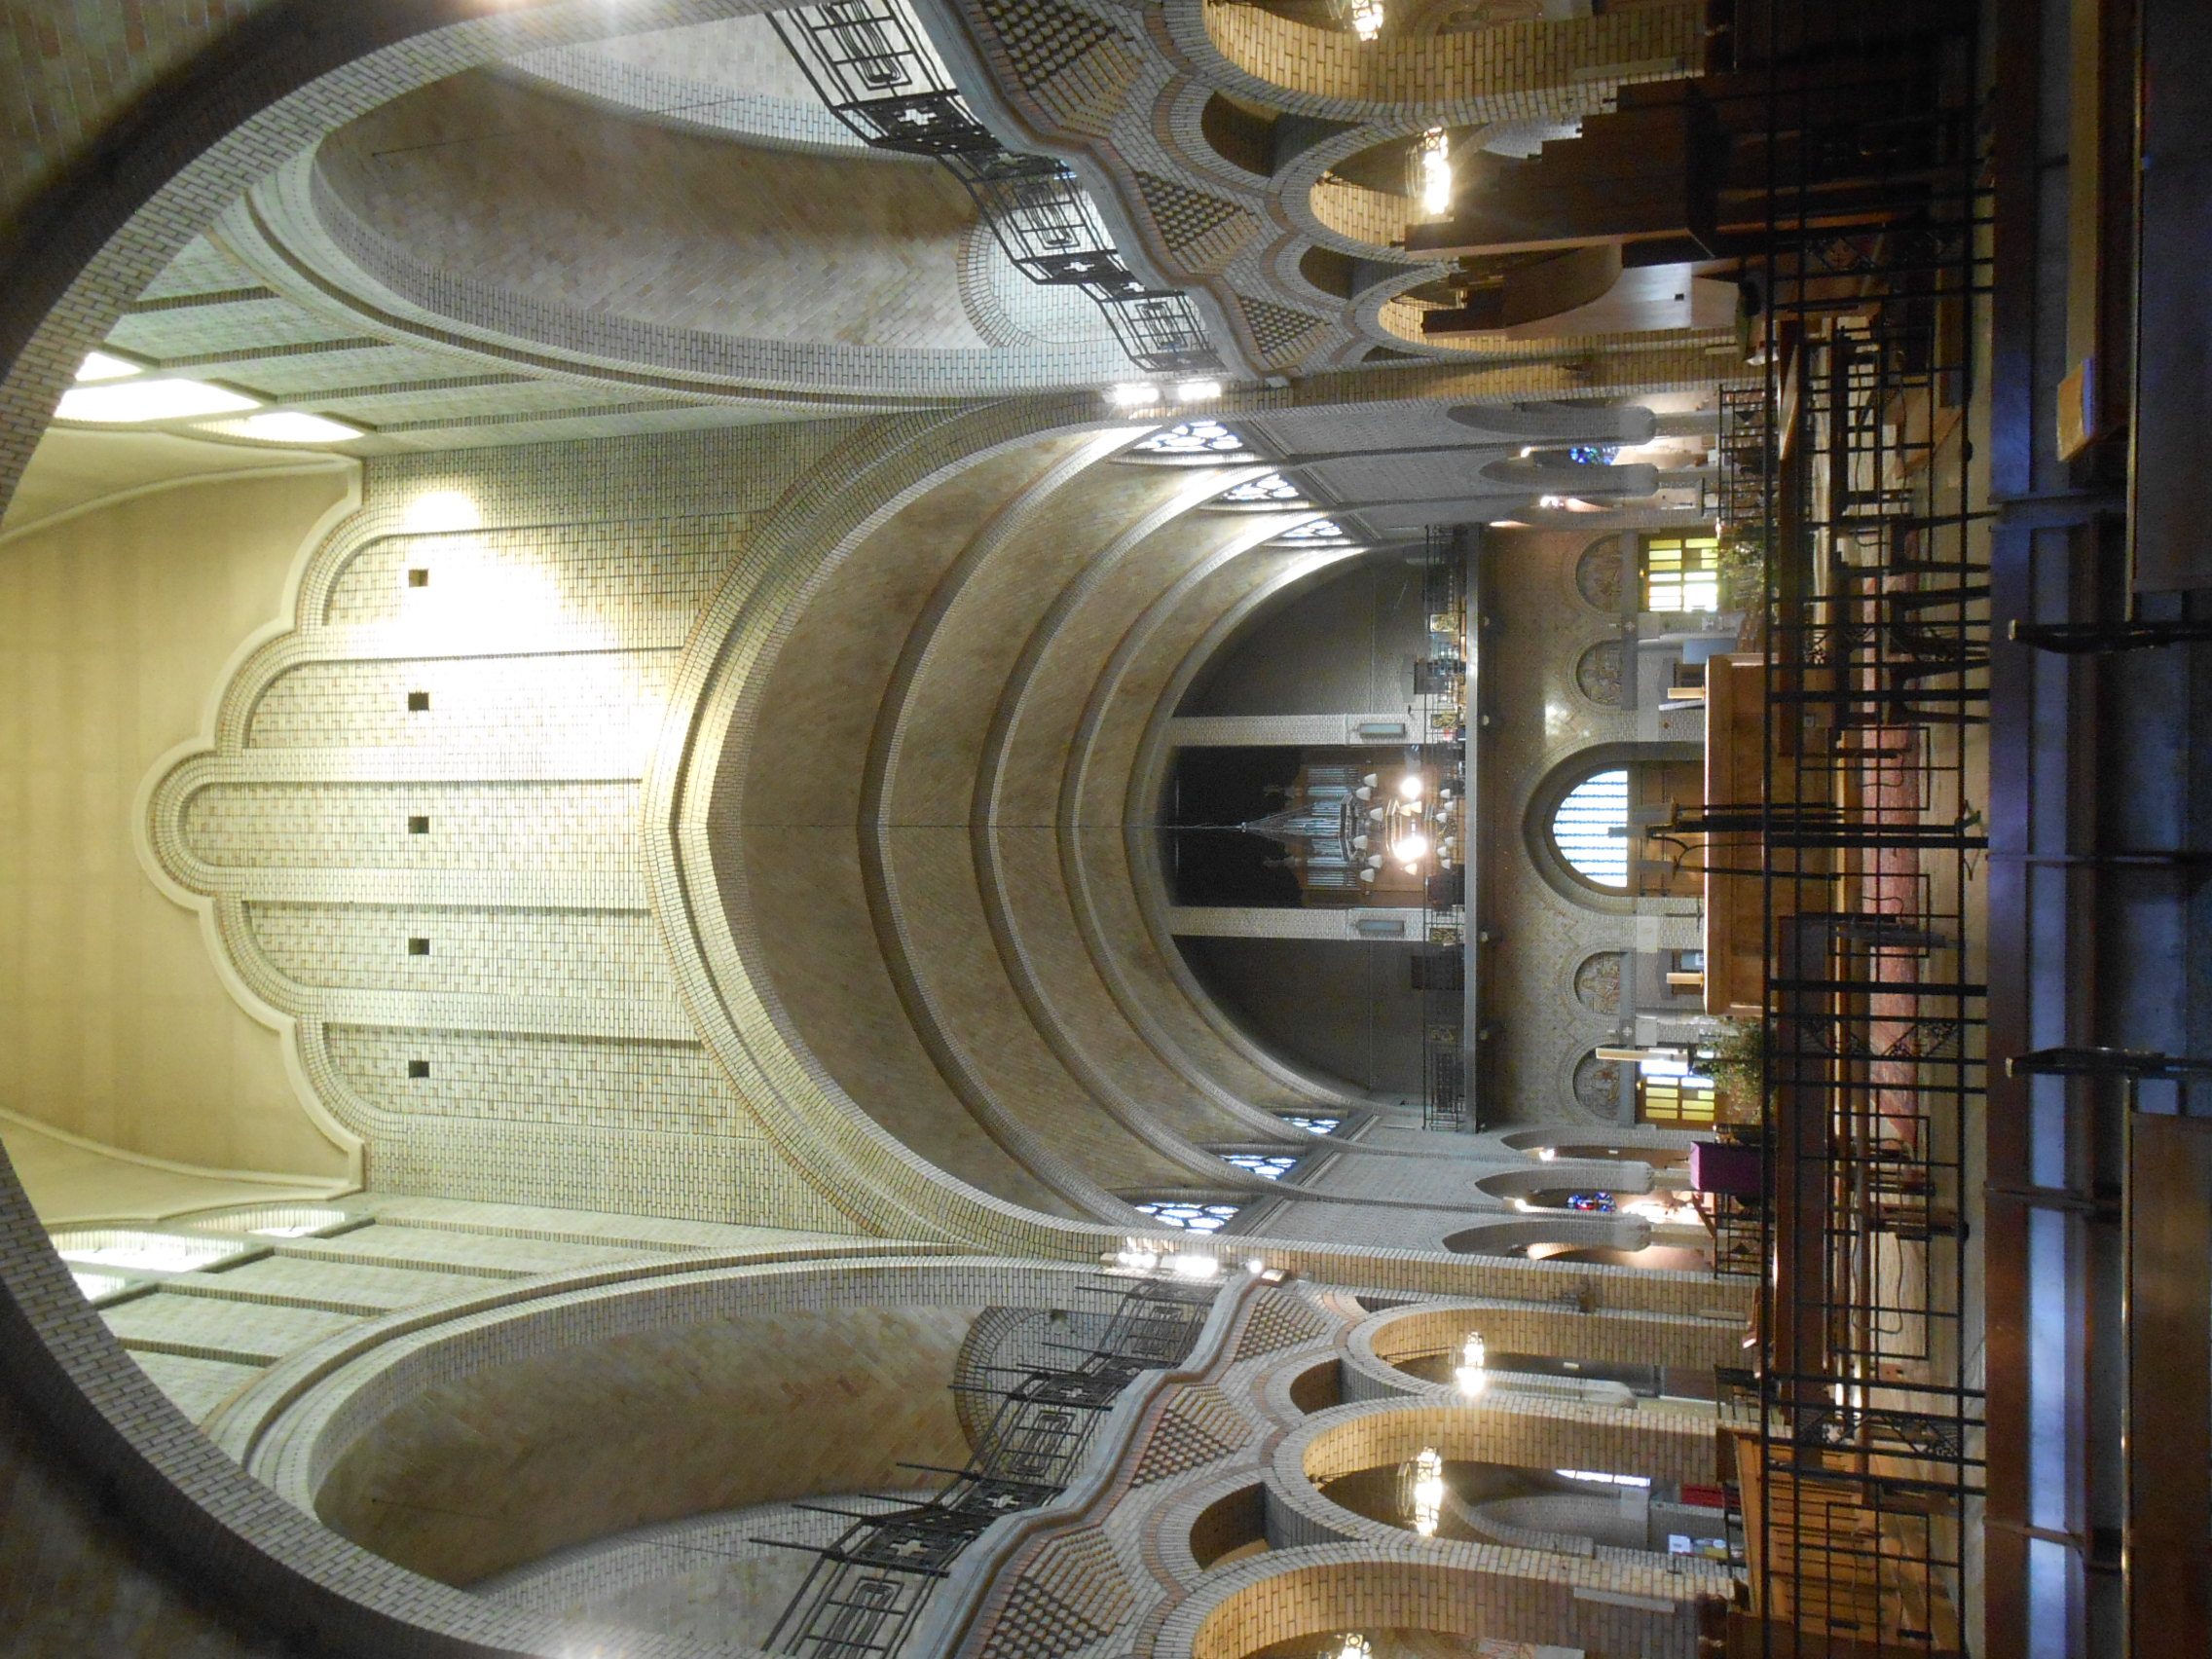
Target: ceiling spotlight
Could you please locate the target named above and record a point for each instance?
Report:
(1183, 1265)
(1197, 392)
(136, 401)
(1132, 395)
(1409, 785)
(1354, 1647)
(101, 367)
(1409, 848)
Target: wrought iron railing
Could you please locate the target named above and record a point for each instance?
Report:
(868, 1587)
(1846, 471)
(872, 66)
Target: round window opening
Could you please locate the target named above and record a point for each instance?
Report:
(1590, 829)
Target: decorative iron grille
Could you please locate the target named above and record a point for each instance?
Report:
(1856, 1444)
(868, 1587)
(872, 64)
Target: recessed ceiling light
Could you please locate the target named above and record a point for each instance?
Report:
(138, 400)
(1195, 392)
(288, 427)
(1132, 395)
(101, 367)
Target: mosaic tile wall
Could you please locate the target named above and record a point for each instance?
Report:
(1549, 1011)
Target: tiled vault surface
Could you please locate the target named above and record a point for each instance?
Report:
(1228, 1463)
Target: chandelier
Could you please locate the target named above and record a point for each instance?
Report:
(1364, 18)
(1421, 1490)
(1470, 1374)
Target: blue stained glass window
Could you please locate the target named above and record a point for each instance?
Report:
(1191, 437)
(1325, 531)
(1275, 486)
(1191, 1217)
(1274, 1169)
(1316, 1125)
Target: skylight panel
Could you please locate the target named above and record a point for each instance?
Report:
(125, 402)
(144, 1252)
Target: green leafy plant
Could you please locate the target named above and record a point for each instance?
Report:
(1731, 1059)
(1741, 563)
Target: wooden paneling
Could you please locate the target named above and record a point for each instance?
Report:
(2169, 1387)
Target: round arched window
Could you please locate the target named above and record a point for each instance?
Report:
(1590, 829)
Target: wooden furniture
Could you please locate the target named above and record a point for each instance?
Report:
(1735, 774)
(1830, 1577)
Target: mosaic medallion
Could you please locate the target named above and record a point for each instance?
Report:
(1597, 673)
(1597, 1087)
(1598, 574)
(1597, 985)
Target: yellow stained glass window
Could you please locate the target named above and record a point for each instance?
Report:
(1679, 1102)
(1682, 574)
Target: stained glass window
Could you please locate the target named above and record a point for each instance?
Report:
(1685, 1101)
(1593, 455)
(1602, 1203)
(1325, 532)
(1590, 829)
(1191, 437)
(1682, 574)
(1316, 1125)
(1261, 1163)
(1191, 1217)
(1275, 486)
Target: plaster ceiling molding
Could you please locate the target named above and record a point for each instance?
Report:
(731, 79)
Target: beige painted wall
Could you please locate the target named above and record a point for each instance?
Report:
(115, 625)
